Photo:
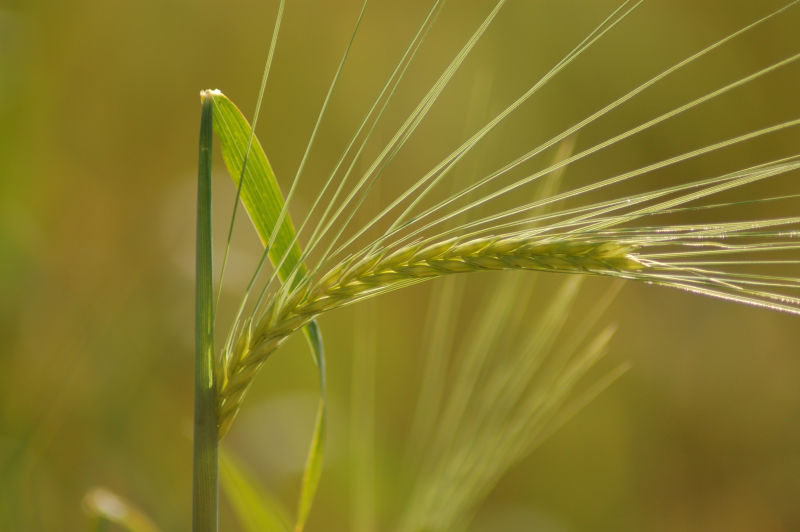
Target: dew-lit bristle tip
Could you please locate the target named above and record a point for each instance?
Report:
(209, 93)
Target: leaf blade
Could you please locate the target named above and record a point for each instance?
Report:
(205, 493)
(260, 192)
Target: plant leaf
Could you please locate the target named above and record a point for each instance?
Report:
(205, 493)
(260, 192)
(263, 201)
(255, 509)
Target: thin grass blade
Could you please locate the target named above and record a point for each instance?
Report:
(205, 493)
(260, 192)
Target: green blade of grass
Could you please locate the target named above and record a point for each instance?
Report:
(264, 204)
(205, 502)
(260, 192)
(255, 509)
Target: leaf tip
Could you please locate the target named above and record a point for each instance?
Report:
(210, 94)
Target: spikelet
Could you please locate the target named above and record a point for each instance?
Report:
(382, 271)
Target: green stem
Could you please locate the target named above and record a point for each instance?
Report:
(205, 501)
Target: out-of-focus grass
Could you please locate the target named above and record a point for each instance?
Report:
(98, 115)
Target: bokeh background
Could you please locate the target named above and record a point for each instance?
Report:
(99, 114)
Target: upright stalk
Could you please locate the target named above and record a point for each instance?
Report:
(205, 499)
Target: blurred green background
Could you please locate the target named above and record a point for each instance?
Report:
(99, 113)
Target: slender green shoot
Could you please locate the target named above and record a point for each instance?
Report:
(205, 492)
